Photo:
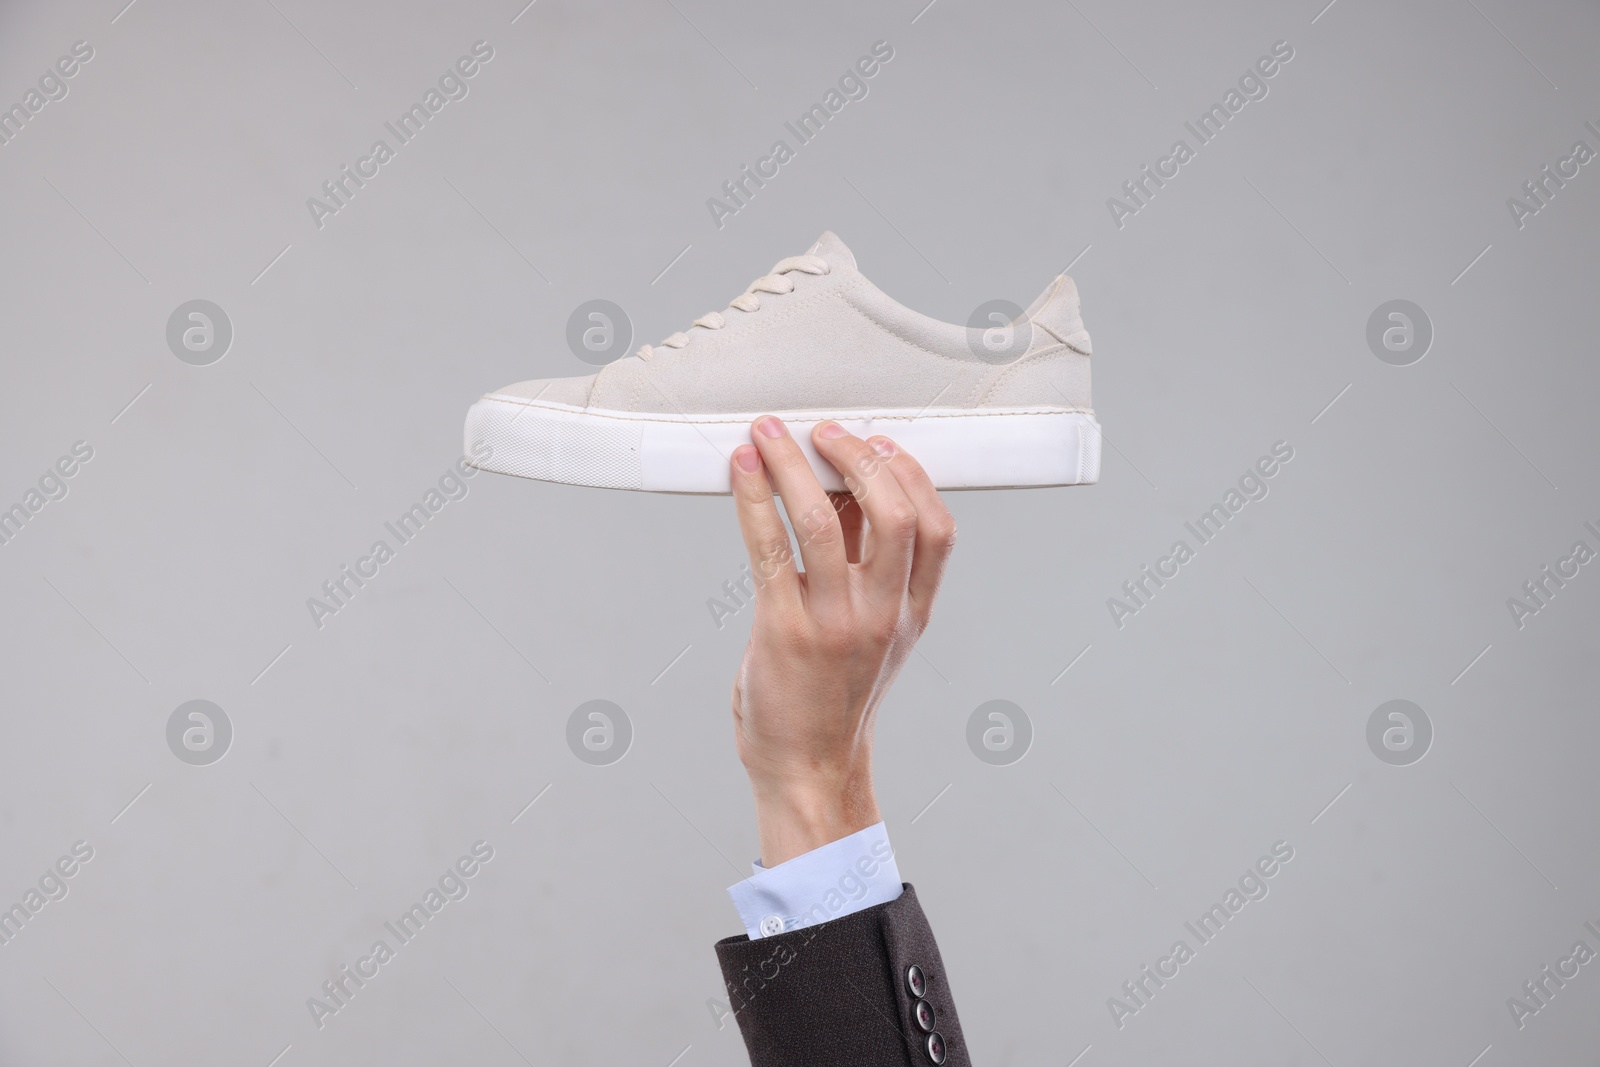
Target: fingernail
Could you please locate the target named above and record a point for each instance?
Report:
(771, 427)
(828, 431)
(883, 447)
(748, 459)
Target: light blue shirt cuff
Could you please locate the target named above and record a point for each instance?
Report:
(838, 879)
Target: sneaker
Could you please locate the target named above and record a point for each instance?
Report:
(1003, 406)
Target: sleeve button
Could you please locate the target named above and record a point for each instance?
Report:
(922, 1013)
(916, 981)
(934, 1047)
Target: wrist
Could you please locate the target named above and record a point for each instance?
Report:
(795, 818)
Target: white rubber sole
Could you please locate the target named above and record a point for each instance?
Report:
(960, 449)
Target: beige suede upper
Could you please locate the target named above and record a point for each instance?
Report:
(838, 343)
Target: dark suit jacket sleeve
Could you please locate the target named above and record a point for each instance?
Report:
(838, 993)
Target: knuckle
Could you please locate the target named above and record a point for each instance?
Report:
(882, 630)
(942, 531)
(821, 525)
(900, 521)
(774, 554)
(793, 631)
(785, 629)
(753, 493)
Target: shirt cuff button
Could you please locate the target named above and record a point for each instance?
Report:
(772, 924)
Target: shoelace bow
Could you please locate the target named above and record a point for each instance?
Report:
(748, 301)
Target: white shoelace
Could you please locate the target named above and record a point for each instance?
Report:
(748, 301)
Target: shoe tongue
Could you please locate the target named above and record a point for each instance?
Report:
(830, 248)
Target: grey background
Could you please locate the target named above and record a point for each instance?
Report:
(1227, 715)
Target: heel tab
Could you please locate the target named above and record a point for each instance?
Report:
(1058, 313)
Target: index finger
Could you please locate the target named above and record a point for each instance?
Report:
(816, 526)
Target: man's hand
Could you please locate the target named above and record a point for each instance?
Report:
(826, 643)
